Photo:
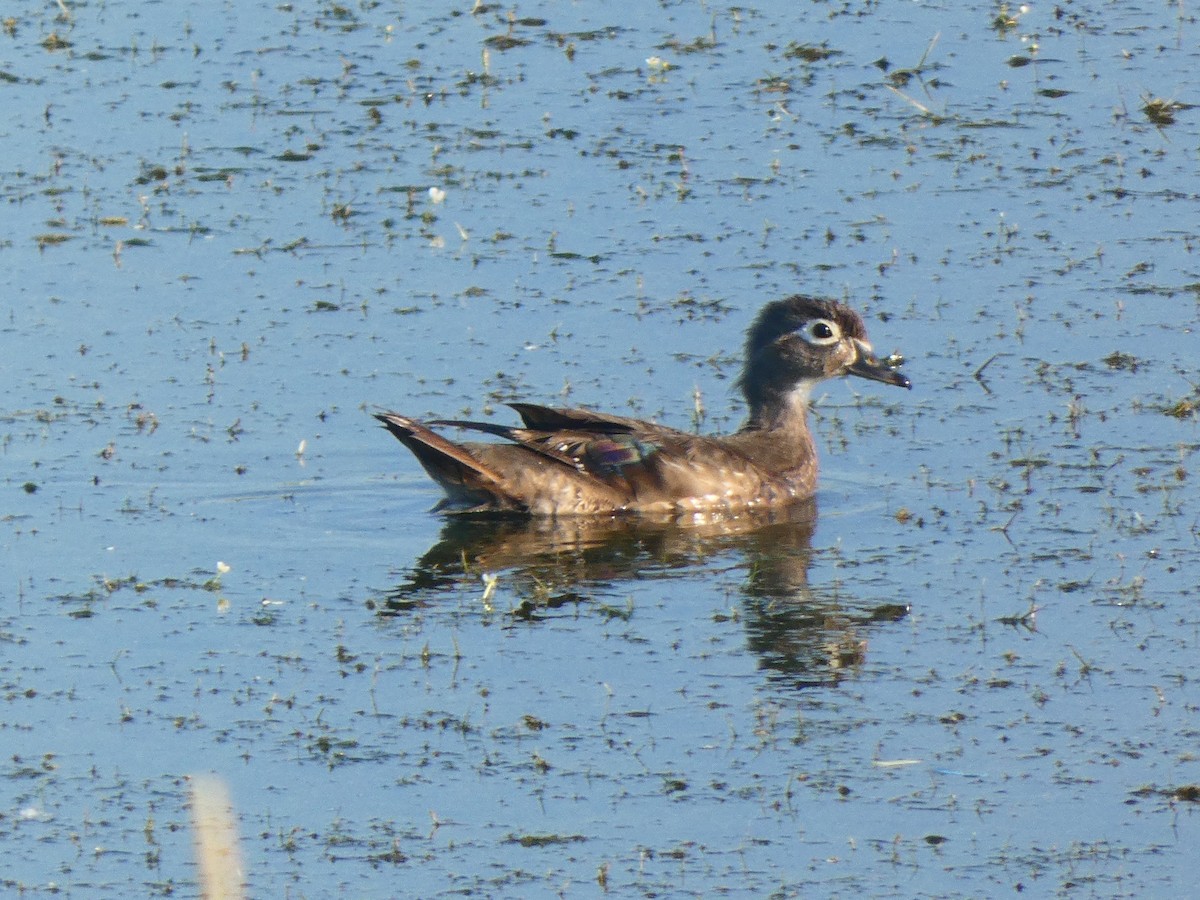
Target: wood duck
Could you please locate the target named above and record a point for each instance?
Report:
(578, 462)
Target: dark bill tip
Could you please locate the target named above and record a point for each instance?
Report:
(875, 370)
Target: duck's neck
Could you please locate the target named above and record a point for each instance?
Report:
(785, 411)
(776, 435)
(783, 418)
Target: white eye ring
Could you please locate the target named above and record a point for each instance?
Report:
(820, 332)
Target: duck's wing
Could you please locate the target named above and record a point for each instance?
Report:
(555, 418)
(598, 445)
(651, 465)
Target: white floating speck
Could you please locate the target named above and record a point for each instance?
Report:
(490, 581)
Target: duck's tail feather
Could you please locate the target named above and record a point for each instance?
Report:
(468, 483)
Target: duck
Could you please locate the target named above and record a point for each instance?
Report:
(572, 461)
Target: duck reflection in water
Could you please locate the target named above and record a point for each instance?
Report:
(802, 634)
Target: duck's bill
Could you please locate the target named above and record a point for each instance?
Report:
(880, 370)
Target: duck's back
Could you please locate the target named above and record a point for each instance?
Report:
(578, 462)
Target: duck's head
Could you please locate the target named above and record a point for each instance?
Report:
(800, 341)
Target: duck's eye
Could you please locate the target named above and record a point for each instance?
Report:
(820, 332)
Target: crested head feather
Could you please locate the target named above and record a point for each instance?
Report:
(782, 317)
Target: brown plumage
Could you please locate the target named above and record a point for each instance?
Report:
(579, 462)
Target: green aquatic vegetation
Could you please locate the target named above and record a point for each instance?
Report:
(1184, 408)
(545, 840)
(810, 53)
(51, 239)
(1160, 111)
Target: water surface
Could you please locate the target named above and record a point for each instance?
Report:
(232, 233)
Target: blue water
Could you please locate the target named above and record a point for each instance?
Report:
(221, 252)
